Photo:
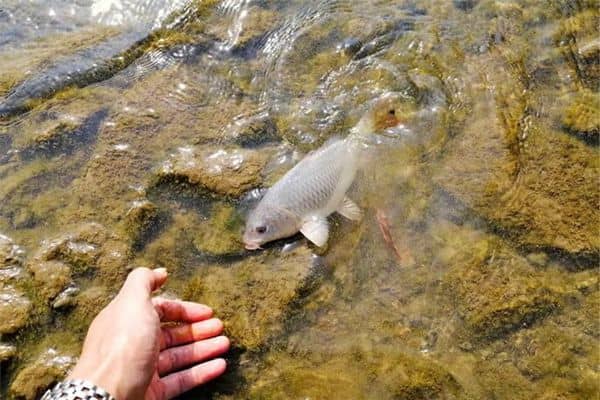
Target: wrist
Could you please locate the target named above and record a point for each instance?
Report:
(102, 375)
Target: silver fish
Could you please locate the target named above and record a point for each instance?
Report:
(315, 188)
(303, 198)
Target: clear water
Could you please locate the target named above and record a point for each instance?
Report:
(140, 132)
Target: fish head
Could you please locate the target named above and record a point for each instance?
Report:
(385, 113)
(268, 223)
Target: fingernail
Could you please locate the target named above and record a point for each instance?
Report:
(161, 271)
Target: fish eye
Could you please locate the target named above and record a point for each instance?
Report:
(261, 229)
(392, 112)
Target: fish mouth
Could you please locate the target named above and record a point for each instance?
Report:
(252, 246)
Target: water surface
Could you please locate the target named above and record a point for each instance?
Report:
(141, 132)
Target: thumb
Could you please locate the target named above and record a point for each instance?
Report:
(144, 281)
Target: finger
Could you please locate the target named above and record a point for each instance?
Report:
(186, 333)
(144, 280)
(178, 357)
(181, 311)
(182, 381)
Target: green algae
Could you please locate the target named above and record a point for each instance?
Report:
(582, 116)
(389, 375)
(49, 361)
(221, 235)
(252, 306)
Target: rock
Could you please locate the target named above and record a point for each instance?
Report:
(465, 5)
(576, 37)
(88, 248)
(252, 130)
(31, 382)
(357, 374)
(62, 136)
(221, 234)
(66, 298)
(496, 291)
(253, 296)
(7, 351)
(50, 276)
(524, 177)
(251, 23)
(14, 309)
(582, 115)
(10, 253)
(141, 221)
(227, 172)
(11, 260)
(589, 55)
(88, 304)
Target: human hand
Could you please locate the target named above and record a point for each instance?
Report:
(127, 352)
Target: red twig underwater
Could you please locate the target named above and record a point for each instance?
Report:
(402, 255)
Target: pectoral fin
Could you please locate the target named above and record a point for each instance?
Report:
(316, 229)
(350, 210)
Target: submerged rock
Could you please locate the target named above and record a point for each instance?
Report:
(11, 260)
(88, 66)
(253, 296)
(7, 351)
(62, 136)
(141, 221)
(50, 277)
(356, 374)
(66, 298)
(227, 172)
(88, 248)
(252, 130)
(88, 303)
(496, 291)
(15, 308)
(582, 115)
(523, 177)
(10, 253)
(50, 367)
(221, 234)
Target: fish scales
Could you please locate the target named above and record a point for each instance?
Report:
(313, 181)
(310, 191)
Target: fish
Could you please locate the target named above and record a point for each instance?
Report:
(316, 187)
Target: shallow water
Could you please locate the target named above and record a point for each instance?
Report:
(141, 132)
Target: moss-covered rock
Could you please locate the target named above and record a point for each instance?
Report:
(381, 375)
(14, 309)
(10, 253)
(141, 220)
(89, 248)
(576, 37)
(11, 261)
(66, 298)
(227, 172)
(7, 351)
(221, 233)
(582, 115)
(88, 303)
(50, 277)
(48, 369)
(253, 296)
(528, 180)
(60, 136)
(250, 24)
(496, 291)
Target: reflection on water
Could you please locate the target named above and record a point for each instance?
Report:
(141, 132)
